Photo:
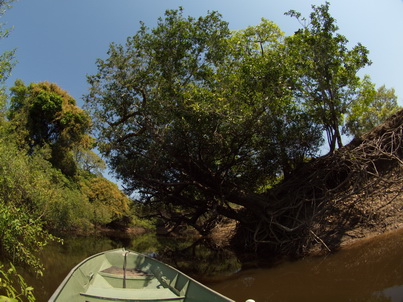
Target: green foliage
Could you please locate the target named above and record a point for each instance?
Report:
(14, 286)
(108, 202)
(326, 70)
(36, 197)
(89, 161)
(371, 108)
(51, 133)
(43, 115)
(7, 59)
(189, 113)
(22, 197)
(199, 121)
(44, 149)
(22, 234)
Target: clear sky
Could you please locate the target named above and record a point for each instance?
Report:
(59, 40)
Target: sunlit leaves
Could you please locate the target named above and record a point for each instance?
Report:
(327, 80)
(109, 203)
(22, 235)
(45, 115)
(50, 114)
(371, 108)
(14, 286)
(189, 112)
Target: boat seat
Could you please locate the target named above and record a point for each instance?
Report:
(126, 294)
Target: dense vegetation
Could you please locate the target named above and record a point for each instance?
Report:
(47, 184)
(203, 122)
(50, 179)
(198, 121)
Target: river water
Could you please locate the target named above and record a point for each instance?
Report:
(371, 270)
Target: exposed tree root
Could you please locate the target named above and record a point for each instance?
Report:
(331, 197)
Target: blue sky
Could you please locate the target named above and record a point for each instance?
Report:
(60, 40)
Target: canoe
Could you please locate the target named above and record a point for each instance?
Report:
(124, 275)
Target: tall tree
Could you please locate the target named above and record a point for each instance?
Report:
(49, 125)
(44, 116)
(327, 80)
(191, 116)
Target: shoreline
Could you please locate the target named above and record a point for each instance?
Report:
(372, 235)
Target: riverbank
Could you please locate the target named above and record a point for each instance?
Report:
(345, 223)
(361, 235)
(368, 270)
(352, 221)
(370, 213)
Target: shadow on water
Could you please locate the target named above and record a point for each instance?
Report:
(369, 271)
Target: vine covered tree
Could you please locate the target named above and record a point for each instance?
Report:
(45, 116)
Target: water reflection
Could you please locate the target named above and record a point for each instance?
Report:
(369, 271)
(201, 260)
(59, 259)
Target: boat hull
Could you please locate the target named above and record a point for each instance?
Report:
(122, 275)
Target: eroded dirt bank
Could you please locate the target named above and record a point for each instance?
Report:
(368, 191)
(335, 200)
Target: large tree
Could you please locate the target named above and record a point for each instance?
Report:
(326, 70)
(199, 120)
(45, 116)
(47, 124)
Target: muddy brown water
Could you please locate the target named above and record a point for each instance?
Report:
(371, 270)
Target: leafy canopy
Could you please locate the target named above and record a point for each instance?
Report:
(201, 122)
(47, 123)
(189, 113)
(45, 116)
(327, 80)
(371, 108)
